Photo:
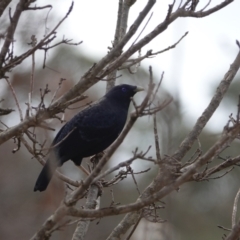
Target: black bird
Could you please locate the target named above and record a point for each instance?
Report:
(89, 132)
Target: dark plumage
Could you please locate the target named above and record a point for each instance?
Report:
(89, 132)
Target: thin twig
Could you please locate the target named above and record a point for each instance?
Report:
(134, 179)
(41, 160)
(47, 39)
(143, 28)
(15, 98)
(208, 112)
(33, 44)
(158, 153)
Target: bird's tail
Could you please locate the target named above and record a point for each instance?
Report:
(46, 175)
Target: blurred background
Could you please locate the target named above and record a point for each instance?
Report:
(192, 72)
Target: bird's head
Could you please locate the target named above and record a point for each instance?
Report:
(123, 93)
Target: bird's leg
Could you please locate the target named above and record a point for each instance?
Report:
(95, 159)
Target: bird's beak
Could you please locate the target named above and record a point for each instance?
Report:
(139, 89)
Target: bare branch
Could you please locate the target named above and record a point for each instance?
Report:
(91, 203)
(150, 54)
(171, 174)
(79, 192)
(121, 37)
(134, 228)
(3, 5)
(22, 4)
(47, 39)
(234, 213)
(120, 165)
(227, 163)
(202, 13)
(166, 190)
(208, 112)
(39, 8)
(235, 232)
(5, 111)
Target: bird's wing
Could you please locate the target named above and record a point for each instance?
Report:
(100, 122)
(70, 128)
(96, 122)
(63, 133)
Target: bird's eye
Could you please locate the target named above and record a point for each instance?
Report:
(124, 89)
